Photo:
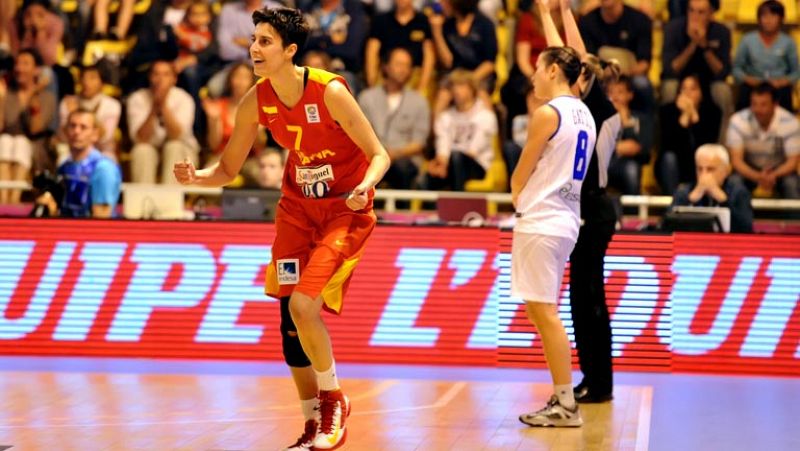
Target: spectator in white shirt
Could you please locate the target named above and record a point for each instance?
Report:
(764, 141)
(160, 120)
(464, 135)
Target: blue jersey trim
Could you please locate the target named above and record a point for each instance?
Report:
(559, 122)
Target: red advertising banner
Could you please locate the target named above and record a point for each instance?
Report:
(736, 304)
(427, 295)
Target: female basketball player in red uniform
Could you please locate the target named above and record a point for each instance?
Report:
(325, 213)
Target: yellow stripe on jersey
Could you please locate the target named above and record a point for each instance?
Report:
(332, 293)
(321, 76)
(270, 109)
(271, 286)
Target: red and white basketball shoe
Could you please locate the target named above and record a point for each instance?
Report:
(306, 441)
(334, 410)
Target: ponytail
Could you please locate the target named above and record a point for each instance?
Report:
(604, 71)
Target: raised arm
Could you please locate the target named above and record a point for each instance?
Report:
(372, 62)
(443, 52)
(548, 26)
(574, 38)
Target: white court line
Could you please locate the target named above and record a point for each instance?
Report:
(441, 402)
(374, 391)
(645, 410)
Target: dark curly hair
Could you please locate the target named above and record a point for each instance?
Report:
(288, 23)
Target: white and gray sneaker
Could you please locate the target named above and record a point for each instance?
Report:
(553, 414)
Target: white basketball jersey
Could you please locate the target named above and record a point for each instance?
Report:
(550, 202)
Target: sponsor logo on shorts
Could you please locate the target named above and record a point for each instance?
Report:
(312, 113)
(288, 271)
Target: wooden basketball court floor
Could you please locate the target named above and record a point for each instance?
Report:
(109, 406)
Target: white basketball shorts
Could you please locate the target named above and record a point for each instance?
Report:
(537, 266)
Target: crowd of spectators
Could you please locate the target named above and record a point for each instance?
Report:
(163, 80)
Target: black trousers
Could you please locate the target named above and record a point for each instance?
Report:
(587, 298)
(461, 169)
(402, 174)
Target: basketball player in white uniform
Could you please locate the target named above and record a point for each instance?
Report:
(546, 188)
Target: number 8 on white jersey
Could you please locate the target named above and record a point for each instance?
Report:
(550, 202)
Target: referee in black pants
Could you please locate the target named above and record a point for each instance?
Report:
(587, 288)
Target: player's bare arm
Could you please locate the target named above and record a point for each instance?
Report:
(244, 134)
(345, 110)
(540, 128)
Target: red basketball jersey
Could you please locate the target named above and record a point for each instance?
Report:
(323, 161)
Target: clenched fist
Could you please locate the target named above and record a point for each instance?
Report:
(184, 172)
(357, 200)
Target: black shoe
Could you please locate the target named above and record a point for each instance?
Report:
(585, 396)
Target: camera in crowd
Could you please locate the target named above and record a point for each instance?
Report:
(46, 183)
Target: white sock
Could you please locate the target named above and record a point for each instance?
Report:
(309, 408)
(565, 395)
(327, 379)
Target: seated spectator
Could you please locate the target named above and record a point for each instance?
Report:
(317, 60)
(196, 46)
(26, 112)
(234, 31)
(339, 28)
(90, 181)
(764, 141)
(101, 16)
(43, 30)
(402, 27)
(197, 55)
(767, 55)
(697, 45)
(270, 168)
(512, 148)
(466, 40)
(155, 41)
(616, 30)
(91, 98)
(687, 123)
(633, 145)
(464, 136)
(221, 112)
(160, 120)
(400, 117)
(714, 188)
(235, 28)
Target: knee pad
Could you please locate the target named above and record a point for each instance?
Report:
(293, 352)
